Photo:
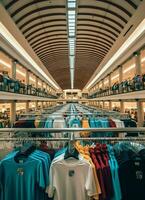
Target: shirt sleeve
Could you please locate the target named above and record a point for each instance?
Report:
(91, 184)
(50, 189)
(40, 176)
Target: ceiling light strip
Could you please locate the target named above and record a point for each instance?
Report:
(9, 37)
(131, 40)
(71, 23)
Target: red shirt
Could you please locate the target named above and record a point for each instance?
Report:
(102, 196)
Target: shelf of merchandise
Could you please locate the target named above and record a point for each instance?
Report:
(21, 97)
(137, 95)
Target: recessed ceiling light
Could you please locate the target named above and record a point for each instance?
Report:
(71, 12)
(71, 5)
(71, 36)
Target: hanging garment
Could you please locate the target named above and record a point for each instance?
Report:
(92, 122)
(71, 179)
(107, 178)
(131, 171)
(130, 123)
(21, 180)
(75, 123)
(102, 196)
(119, 124)
(85, 124)
(24, 176)
(84, 152)
(114, 172)
(25, 124)
(59, 123)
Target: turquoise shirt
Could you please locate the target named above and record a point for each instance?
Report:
(114, 172)
(19, 181)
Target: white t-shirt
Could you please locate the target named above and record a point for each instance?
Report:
(120, 124)
(71, 179)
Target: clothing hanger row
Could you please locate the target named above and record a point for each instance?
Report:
(58, 130)
(98, 139)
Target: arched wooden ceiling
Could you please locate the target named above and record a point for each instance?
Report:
(44, 24)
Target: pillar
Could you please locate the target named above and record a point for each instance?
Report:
(36, 105)
(120, 74)
(103, 104)
(138, 63)
(103, 87)
(27, 106)
(99, 104)
(36, 82)
(27, 77)
(14, 69)
(103, 84)
(42, 84)
(110, 105)
(13, 104)
(122, 110)
(140, 113)
(13, 112)
(110, 80)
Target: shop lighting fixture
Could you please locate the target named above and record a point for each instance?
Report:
(5, 64)
(21, 73)
(39, 84)
(71, 17)
(114, 77)
(72, 78)
(32, 79)
(4, 32)
(143, 59)
(131, 40)
(71, 3)
(129, 68)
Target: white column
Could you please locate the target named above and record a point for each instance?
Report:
(110, 105)
(42, 84)
(14, 69)
(13, 112)
(27, 76)
(138, 63)
(122, 110)
(36, 82)
(120, 74)
(13, 104)
(140, 113)
(36, 105)
(27, 106)
(109, 80)
(103, 104)
(103, 84)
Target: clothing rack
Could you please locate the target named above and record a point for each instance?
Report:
(72, 134)
(110, 139)
(98, 114)
(58, 130)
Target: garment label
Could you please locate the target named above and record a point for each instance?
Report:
(21, 161)
(137, 163)
(139, 175)
(71, 173)
(20, 171)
